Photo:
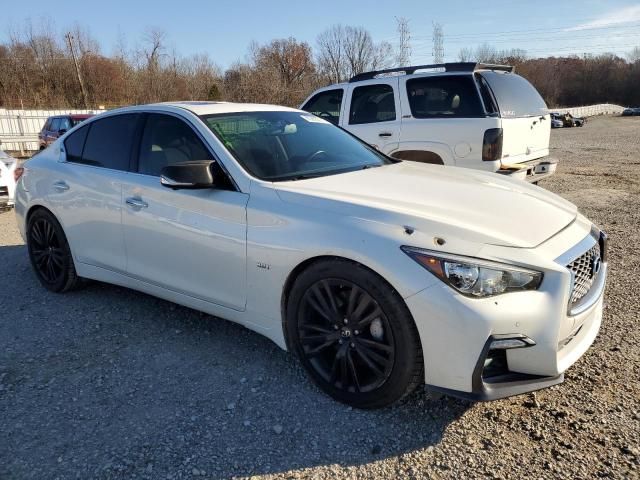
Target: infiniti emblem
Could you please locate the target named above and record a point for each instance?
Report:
(596, 263)
(345, 332)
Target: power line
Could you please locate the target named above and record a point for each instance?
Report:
(537, 30)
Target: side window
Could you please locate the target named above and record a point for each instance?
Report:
(167, 140)
(74, 144)
(47, 124)
(55, 125)
(487, 98)
(109, 142)
(444, 96)
(326, 105)
(65, 124)
(371, 104)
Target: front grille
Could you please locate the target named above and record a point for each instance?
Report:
(584, 272)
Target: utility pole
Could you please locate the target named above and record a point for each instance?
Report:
(69, 38)
(438, 48)
(404, 47)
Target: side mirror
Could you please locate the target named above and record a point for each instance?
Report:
(195, 174)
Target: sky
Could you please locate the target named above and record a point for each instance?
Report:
(223, 29)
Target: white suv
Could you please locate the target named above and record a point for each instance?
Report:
(463, 114)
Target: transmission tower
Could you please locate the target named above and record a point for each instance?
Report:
(438, 47)
(403, 57)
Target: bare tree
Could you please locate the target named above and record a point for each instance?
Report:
(634, 55)
(331, 56)
(465, 54)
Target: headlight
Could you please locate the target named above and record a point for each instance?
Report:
(475, 277)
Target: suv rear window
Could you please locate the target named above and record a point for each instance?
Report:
(443, 96)
(516, 97)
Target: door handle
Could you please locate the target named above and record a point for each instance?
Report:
(385, 134)
(136, 203)
(61, 186)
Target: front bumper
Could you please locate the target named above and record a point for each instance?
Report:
(456, 333)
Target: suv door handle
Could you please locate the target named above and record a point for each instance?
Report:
(61, 186)
(385, 134)
(136, 203)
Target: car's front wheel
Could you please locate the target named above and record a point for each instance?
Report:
(49, 252)
(354, 334)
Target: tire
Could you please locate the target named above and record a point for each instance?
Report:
(353, 334)
(49, 253)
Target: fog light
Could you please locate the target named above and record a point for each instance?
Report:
(508, 343)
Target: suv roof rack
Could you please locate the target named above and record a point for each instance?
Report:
(448, 67)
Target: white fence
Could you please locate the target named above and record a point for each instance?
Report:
(591, 110)
(19, 128)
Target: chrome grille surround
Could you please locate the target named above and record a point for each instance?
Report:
(584, 273)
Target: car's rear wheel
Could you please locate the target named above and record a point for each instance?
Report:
(354, 334)
(49, 252)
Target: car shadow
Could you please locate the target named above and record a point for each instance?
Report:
(106, 381)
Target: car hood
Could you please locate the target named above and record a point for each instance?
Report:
(472, 204)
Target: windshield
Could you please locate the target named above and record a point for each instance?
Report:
(516, 97)
(278, 146)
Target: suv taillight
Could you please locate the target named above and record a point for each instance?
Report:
(492, 145)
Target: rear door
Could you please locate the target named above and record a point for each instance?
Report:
(525, 121)
(86, 192)
(372, 113)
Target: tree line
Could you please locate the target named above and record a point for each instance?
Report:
(37, 70)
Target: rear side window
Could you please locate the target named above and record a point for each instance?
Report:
(109, 142)
(516, 97)
(74, 144)
(326, 105)
(444, 96)
(371, 104)
(168, 140)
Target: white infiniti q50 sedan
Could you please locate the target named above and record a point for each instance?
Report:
(379, 274)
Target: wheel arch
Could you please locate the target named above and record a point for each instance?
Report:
(304, 265)
(421, 156)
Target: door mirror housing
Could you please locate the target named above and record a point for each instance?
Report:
(194, 174)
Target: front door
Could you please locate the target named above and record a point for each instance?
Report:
(188, 241)
(372, 113)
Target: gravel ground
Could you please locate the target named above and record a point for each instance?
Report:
(110, 383)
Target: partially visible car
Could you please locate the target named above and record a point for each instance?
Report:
(631, 111)
(556, 120)
(58, 125)
(9, 174)
(577, 121)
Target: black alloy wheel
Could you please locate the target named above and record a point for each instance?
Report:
(354, 334)
(49, 252)
(346, 336)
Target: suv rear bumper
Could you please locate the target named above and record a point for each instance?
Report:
(531, 171)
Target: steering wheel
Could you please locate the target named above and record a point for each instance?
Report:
(313, 156)
(324, 114)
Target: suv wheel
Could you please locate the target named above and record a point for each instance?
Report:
(354, 334)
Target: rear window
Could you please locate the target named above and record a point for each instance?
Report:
(74, 144)
(443, 96)
(109, 141)
(516, 97)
